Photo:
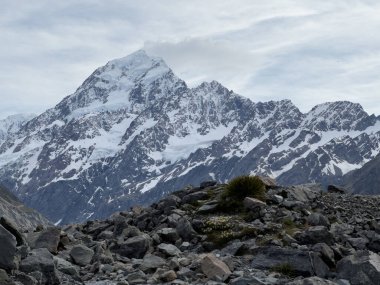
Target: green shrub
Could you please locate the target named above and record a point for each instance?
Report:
(239, 188)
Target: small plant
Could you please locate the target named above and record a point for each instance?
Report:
(285, 269)
(289, 226)
(239, 188)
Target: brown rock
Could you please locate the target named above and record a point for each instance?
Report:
(214, 268)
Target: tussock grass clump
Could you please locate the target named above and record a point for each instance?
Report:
(239, 188)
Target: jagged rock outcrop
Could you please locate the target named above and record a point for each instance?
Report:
(173, 242)
(11, 209)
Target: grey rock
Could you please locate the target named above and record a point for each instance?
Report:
(151, 261)
(336, 189)
(214, 268)
(134, 247)
(81, 254)
(361, 268)
(185, 230)
(169, 235)
(66, 267)
(267, 258)
(8, 256)
(317, 219)
(253, 204)
(315, 235)
(48, 238)
(41, 260)
(206, 184)
(169, 249)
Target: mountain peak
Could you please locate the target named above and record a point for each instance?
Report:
(138, 59)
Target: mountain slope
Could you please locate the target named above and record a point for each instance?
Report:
(365, 180)
(133, 131)
(20, 215)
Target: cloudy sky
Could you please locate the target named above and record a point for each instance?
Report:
(306, 51)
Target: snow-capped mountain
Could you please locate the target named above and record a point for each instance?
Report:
(12, 124)
(134, 131)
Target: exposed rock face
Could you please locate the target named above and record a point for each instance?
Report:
(17, 213)
(7, 249)
(134, 131)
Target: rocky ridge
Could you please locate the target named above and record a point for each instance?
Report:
(134, 131)
(300, 235)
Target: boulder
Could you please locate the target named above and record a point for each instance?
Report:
(41, 260)
(134, 247)
(253, 204)
(81, 254)
(214, 268)
(169, 235)
(12, 228)
(317, 219)
(269, 257)
(361, 268)
(268, 181)
(302, 193)
(336, 189)
(151, 261)
(185, 229)
(206, 184)
(8, 250)
(168, 249)
(66, 267)
(315, 235)
(48, 238)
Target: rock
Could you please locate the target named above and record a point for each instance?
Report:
(206, 184)
(320, 267)
(336, 189)
(25, 279)
(341, 230)
(169, 235)
(317, 219)
(137, 277)
(12, 228)
(363, 267)
(253, 204)
(302, 193)
(185, 230)
(41, 260)
(269, 257)
(246, 281)
(358, 243)
(207, 208)
(232, 248)
(81, 254)
(315, 235)
(168, 276)
(312, 281)
(169, 249)
(214, 268)
(135, 247)
(327, 254)
(66, 267)
(48, 238)
(8, 250)
(151, 261)
(268, 181)
(195, 197)
(4, 278)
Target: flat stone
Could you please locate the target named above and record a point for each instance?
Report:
(169, 249)
(253, 204)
